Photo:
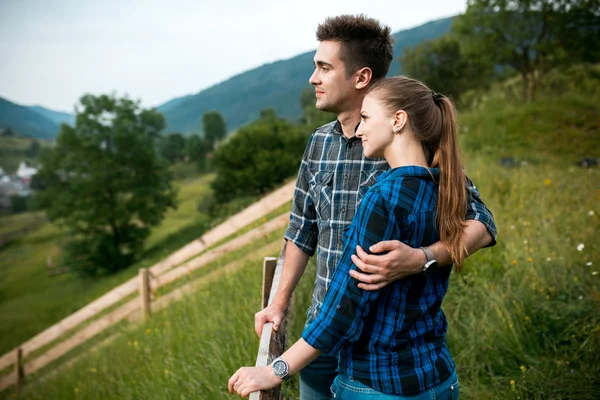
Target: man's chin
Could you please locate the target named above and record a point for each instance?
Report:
(324, 107)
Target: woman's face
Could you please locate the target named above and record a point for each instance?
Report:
(376, 126)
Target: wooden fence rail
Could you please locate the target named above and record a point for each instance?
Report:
(147, 281)
(272, 343)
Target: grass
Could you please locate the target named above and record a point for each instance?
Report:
(524, 316)
(32, 301)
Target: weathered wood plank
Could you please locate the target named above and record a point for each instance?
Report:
(269, 264)
(272, 344)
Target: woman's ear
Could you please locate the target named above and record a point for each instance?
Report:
(399, 121)
(363, 78)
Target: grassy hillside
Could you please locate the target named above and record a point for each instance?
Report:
(277, 85)
(32, 301)
(524, 316)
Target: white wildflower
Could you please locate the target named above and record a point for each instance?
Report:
(580, 246)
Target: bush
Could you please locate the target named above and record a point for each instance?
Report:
(257, 158)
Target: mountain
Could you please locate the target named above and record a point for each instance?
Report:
(25, 121)
(58, 117)
(277, 85)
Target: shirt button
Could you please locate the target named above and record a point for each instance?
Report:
(340, 242)
(343, 210)
(338, 307)
(346, 177)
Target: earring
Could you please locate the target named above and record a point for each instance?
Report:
(396, 131)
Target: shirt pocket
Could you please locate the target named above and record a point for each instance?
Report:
(367, 179)
(321, 191)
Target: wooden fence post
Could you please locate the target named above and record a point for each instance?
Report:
(18, 371)
(269, 265)
(145, 292)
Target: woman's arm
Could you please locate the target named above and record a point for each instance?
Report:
(250, 379)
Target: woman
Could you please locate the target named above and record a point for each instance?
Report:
(391, 342)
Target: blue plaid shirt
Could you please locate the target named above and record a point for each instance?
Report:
(393, 339)
(333, 178)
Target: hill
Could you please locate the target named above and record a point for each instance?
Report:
(277, 85)
(26, 121)
(58, 117)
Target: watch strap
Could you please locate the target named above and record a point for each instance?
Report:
(428, 253)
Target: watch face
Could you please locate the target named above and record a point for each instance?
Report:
(279, 368)
(430, 267)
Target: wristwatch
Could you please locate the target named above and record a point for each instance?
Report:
(281, 369)
(431, 265)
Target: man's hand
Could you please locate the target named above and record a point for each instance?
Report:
(379, 270)
(273, 313)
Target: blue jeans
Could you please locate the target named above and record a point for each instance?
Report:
(317, 377)
(345, 389)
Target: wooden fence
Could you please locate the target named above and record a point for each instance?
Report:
(136, 293)
(272, 343)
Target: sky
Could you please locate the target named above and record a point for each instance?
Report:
(54, 51)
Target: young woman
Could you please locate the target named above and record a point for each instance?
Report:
(391, 342)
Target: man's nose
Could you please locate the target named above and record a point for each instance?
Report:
(313, 80)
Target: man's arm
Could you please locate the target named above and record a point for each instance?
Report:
(402, 261)
(301, 236)
(293, 267)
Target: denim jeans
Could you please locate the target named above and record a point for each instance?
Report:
(317, 377)
(345, 389)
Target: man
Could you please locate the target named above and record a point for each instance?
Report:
(354, 51)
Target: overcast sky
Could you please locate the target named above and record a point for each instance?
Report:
(54, 51)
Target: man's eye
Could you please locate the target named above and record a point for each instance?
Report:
(325, 69)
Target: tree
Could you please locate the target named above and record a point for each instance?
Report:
(172, 147)
(258, 157)
(33, 149)
(194, 148)
(105, 184)
(214, 127)
(441, 64)
(531, 36)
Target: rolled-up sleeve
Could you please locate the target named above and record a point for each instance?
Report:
(477, 210)
(345, 306)
(302, 230)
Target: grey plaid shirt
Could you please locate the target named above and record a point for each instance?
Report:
(334, 175)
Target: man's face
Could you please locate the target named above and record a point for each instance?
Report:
(334, 91)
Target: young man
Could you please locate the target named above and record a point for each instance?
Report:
(353, 52)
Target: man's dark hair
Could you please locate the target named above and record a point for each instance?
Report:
(364, 43)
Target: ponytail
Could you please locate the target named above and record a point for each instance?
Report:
(432, 119)
(452, 196)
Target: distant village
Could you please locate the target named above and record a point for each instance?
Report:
(17, 184)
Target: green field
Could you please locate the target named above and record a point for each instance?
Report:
(30, 300)
(524, 316)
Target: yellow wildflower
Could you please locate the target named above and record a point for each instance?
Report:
(522, 368)
(148, 330)
(512, 382)
(530, 259)
(514, 262)
(547, 182)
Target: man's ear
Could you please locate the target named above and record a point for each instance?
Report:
(363, 78)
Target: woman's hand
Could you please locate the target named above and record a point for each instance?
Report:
(250, 379)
